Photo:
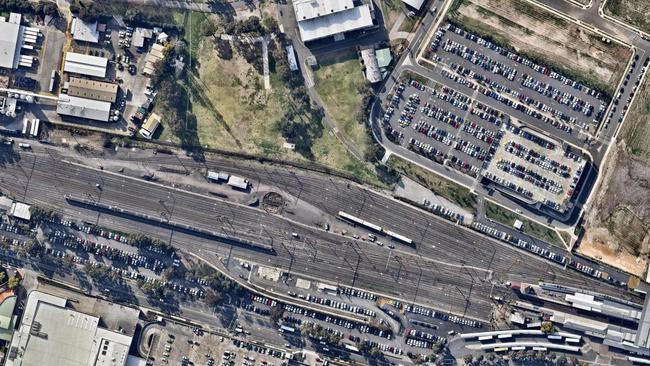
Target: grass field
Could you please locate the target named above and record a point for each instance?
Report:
(235, 113)
(408, 24)
(390, 10)
(636, 129)
(546, 38)
(337, 82)
(436, 183)
(508, 218)
(192, 31)
(633, 12)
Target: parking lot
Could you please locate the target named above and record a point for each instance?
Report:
(445, 125)
(536, 168)
(520, 83)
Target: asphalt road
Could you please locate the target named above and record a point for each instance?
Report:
(451, 268)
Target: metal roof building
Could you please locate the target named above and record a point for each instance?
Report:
(78, 63)
(52, 334)
(91, 89)
(150, 126)
(319, 19)
(415, 4)
(20, 210)
(10, 44)
(373, 73)
(84, 31)
(83, 108)
(155, 54)
(139, 35)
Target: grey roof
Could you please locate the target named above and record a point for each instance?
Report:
(309, 9)
(83, 108)
(54, 335)
(8, 44)
(84, 31)
(372, 67)
(335, 23)
(79, 63)
(415, 4)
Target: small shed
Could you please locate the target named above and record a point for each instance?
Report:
(238, 182)
(518, 224)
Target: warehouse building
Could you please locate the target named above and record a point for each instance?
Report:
(96, 110)
(96, 90)
(155, 54)
(11, 42)
(373, 74)
(150, 126)
(84, 31)
(53, 334)
(140, 35)
(318, 19)
(78, 63)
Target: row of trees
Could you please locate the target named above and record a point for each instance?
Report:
(314, 330)
(42, 7)
(526, 357)
(143, 241)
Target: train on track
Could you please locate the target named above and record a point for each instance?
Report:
(376, 228)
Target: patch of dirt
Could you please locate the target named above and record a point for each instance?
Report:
(617, 225)
(273, 202)
(598, 243)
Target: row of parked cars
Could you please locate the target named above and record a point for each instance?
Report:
(340, 305)
(442, 316)
(531, 176)
(104, 250)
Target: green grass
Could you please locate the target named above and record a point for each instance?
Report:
(634, 12)
(337, 82)
(192, 23)
(235, 113)
(636, 129)
(508, 218)
(408, 24)
(443, 187)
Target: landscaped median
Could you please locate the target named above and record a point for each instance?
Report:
(506, 217)
(439, 185)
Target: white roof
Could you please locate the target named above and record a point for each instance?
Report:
(237, 182)
(339, 22)
(15, 18)
(51, 334)
(79, 63)
(20, 210)
(416, 4)
(309, 9)
(518, 224)
(291, 57)
(84, 31)
(9, 44)
(372, 67)
(83, 108)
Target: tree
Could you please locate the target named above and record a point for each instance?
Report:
(271, 25)
(213, 298)
(375, 352)
(468, 358)
(209, 28)
(276, 313)
(14, 282)
(547, 327)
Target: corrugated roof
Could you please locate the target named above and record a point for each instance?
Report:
(91, 89)
(384, 57)
(372, 68)
(340, 22)
(415, 4)
(150, 126)
(310, 9)
(78, 63)
(8, 44)
(84, 31)
(83, 108)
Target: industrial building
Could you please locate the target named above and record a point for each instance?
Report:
(140, 35)
(150, 126)
(96, 90)
(97, 110)
(415, 4)
(318, 19)
(78, 63)
(373, 75)
(84, 31)
(155, 54)
(14, 38)
(53, 334)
